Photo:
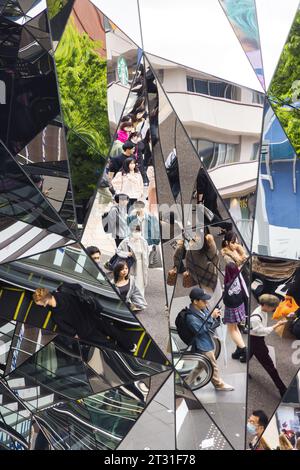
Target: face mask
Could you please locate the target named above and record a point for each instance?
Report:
(136, 235)
(251, 428)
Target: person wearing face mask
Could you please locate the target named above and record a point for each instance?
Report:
(256, 425)
(135, 245)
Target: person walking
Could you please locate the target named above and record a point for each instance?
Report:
(129, 181)
(235, 291)
(199, 321)
(259, 330)
(135, 245)
(127, 288)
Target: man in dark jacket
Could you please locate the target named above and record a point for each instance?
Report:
(199, 321)
(116, 163)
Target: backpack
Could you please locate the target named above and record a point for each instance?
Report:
(83, 295)
(185, 334)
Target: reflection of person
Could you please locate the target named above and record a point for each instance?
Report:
(135, 245)
(284, 443)
(117, 219)
(256, 425)
(232, 250)
(207, 195)
(127, 289)
(77, 320)
(235, 312)
(122, 136)
(199, 321)
(148, 223)
(116, 163)
(94, 253)
(202, 262)
(152, 198)
(259, 330)
(129, 181)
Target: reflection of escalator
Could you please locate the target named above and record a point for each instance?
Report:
(186, 361)
(50, 270)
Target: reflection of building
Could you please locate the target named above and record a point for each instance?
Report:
(224, 122)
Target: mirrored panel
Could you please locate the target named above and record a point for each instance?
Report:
(65, 281)
(156, 427)
(98, 422)
(21, 200)
(274, 332)
(124, 221)
(15, 421)
(82, 81)
(45, 160)
(195, 428)
(283, 430)
(209, 337)
(276, 228)
(224, 123)
(7, 330)
(243, 19)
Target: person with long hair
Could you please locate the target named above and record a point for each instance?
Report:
(234, 313)
(122, 136)
(284, 443)
(129, 181)
(127, 288)
(232, 251)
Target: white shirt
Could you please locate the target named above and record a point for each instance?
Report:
(259, 322)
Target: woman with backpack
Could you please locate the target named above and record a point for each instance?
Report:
(235, 291)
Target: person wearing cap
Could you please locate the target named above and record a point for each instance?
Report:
(116, 163)
(200, 321)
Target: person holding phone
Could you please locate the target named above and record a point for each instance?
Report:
(200, 321)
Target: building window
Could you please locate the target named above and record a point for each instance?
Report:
(257, 98)
(216, 154)
(212, 88)
(255, 150)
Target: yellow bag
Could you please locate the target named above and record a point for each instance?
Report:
(287, 306)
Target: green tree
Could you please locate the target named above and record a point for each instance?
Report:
(83, 91)
(285, 86)
(54, 7)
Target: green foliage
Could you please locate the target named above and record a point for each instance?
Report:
(83, 84)
(285, 86)
(54, 7)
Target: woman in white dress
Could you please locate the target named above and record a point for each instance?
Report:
(135, 245)
(129, 181)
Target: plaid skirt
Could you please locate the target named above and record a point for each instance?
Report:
(235, 315)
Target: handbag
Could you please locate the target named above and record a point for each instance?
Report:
(154, 258)
(188, 280)
(172, 275)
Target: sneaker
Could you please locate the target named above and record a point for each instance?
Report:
(225, 388)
